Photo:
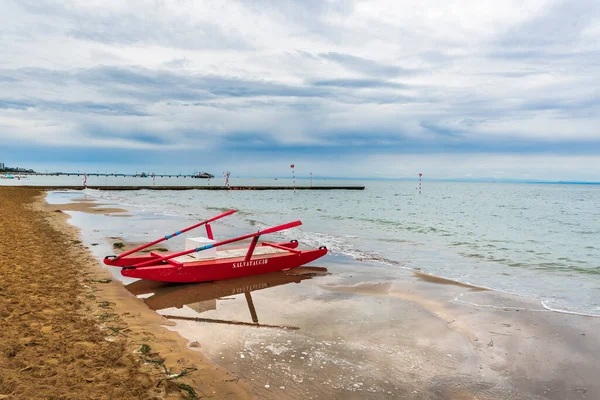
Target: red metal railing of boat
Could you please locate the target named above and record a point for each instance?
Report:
(208, 246)
(251, 248)
(281, 247)
(208, 232)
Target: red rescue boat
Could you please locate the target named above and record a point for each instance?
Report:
(204, 260)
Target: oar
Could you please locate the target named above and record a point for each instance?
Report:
(221, 321)
(175, 234)
(208, 246)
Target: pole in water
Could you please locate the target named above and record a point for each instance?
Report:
(85, 180)
(153, 179)
(293, 177)
(227, 179)
(420, 176)
(311, 179)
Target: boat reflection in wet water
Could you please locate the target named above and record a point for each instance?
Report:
(202, 297)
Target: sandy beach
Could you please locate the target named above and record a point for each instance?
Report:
(70, 332)
(338, 330)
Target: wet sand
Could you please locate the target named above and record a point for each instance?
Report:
(473, 343)
(87, 206)
(359, 331)
(68, 331)
(326, 336)
(408, 339)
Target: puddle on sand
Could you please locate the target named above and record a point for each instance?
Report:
(199, 298)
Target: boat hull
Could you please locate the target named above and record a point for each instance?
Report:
(221, 269)
(127, 261)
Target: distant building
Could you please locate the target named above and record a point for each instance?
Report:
(1, 165)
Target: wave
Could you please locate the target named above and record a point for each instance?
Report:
(562, 311)
(393, 240)
(567, 268)
(473, 255)
(219, 209)
(224, 209)
(335, 244)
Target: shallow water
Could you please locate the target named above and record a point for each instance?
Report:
(540, 241)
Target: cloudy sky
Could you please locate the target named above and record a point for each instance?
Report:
(453, 89)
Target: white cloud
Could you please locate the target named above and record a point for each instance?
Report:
(464, 75)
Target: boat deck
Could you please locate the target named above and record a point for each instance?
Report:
(231, 253)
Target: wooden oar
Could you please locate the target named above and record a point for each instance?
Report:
(208, 246)
(175, 234)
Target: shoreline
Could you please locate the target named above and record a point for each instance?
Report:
(110, 344)
(94, 206)
(145, 325)
(483, 339)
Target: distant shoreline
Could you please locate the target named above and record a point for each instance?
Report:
(314, 177)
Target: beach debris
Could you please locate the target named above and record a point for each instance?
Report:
(118, 245)
(144, 349)
(161, 249)
(186, 371)
(106, 316)
(154, 358)
(115, 330)
(100, 280)
(191, 393)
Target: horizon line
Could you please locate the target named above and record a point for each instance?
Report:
(434, 179)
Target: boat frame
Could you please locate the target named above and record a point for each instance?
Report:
(231, 263)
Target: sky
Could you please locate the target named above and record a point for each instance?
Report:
(452, 89)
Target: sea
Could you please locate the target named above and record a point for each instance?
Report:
(540, 241)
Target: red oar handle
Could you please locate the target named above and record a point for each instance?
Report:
(189, 228)
(282, 247)
(209, 246)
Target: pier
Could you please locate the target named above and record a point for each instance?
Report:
(159, 187)
(107, 174)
